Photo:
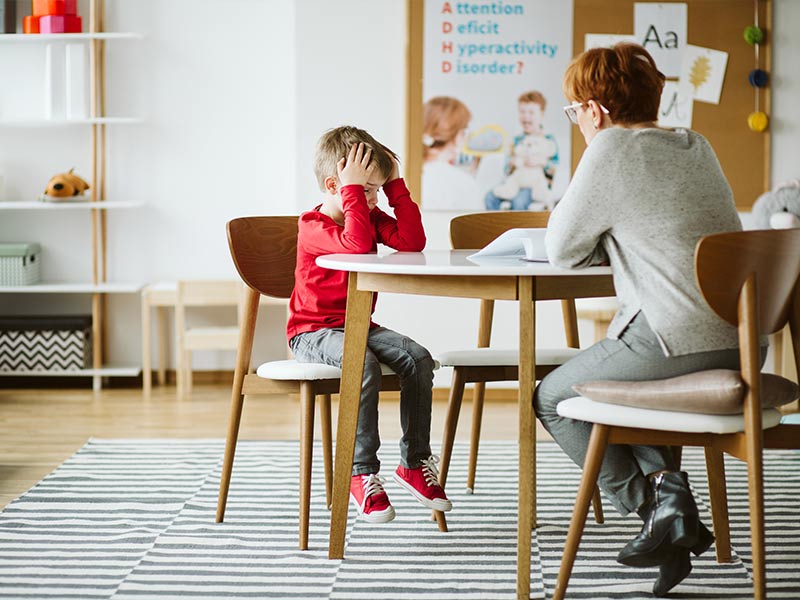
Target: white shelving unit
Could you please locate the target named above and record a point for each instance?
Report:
(45, 38)
(96, 286)
(88, 205)
(69, 122)
(63, 287)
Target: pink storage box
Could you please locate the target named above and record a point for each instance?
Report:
(60, 24)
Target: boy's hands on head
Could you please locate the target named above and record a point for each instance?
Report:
(356, 169)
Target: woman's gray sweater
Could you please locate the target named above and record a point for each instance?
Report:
(641, 199)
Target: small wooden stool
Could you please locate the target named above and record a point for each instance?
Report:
(598, 310)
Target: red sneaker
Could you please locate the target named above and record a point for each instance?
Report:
(423, 483)
(366, 492)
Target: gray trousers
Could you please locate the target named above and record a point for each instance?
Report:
(412, 363)
(635, 356)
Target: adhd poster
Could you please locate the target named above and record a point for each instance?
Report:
(495, 136)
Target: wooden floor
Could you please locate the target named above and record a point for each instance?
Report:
(39, 429)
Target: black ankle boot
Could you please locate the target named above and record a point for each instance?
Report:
(672, 571)
(672, 521)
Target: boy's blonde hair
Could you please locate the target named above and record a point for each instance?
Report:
(335, 145)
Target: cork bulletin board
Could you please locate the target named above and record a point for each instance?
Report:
(718, 24)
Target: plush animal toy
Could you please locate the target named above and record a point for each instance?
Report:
(778, 208)
(65, 185)
(540, 149)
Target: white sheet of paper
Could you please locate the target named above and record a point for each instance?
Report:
(661, 29)
(523, 243)
(676, 106)
(605, 40)
(703, 72)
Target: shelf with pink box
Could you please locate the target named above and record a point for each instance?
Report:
(54, 37)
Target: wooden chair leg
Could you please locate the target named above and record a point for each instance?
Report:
(451, 423)
(591, 468)
(306, 457)
(449, 434)
(162, 344)
(327, 444)
(597, 507)
(237, 401)
(478, 395)
(776, 342)
(718, 497)
(677, 455)
(147, 359)
(179, 358)
(243, 353)
(755, 485)
(187, 375)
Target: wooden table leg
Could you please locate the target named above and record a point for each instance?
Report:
(527, 436)
(355, 343)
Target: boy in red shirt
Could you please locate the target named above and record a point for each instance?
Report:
(351, 166)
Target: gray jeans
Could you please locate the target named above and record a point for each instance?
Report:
(413, 364)
(635, 356)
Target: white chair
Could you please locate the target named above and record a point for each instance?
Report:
(750, 279)
(191, 338)
(484, 364)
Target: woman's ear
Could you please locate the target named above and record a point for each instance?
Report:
(598, 115)
(331, 185)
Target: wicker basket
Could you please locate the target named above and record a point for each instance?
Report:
(20, 264)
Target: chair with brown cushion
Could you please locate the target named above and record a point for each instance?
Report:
(750, 279)
(484, 364)
(264, 250)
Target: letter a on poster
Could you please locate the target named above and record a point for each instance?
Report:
(661, 29)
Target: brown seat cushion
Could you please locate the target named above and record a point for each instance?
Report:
(716, 392)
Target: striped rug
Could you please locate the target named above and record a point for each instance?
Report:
(133, 519)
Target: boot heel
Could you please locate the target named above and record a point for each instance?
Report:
(704, 540)
(683, 532)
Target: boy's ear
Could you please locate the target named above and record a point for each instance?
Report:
(331, 185)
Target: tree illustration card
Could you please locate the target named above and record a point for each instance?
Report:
(702, 72)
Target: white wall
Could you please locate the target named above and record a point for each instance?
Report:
(234, 95)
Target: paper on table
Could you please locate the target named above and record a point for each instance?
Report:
(526, 244)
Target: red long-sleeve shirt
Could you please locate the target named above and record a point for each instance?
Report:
(320, 295)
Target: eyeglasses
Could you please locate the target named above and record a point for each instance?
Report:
(572, 110)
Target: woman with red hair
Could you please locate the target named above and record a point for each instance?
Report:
(640, 199)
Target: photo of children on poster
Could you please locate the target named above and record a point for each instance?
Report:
(494, 133)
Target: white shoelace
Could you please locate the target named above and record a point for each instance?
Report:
(430, 470)
(373, 484)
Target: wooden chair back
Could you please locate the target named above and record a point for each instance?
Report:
(264, 250)
(724, 262)
(475, 230)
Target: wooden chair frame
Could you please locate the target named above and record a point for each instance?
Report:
(264, 250)
(751, 280)
(474, 231)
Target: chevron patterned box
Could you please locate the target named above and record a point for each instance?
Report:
(45, 343)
